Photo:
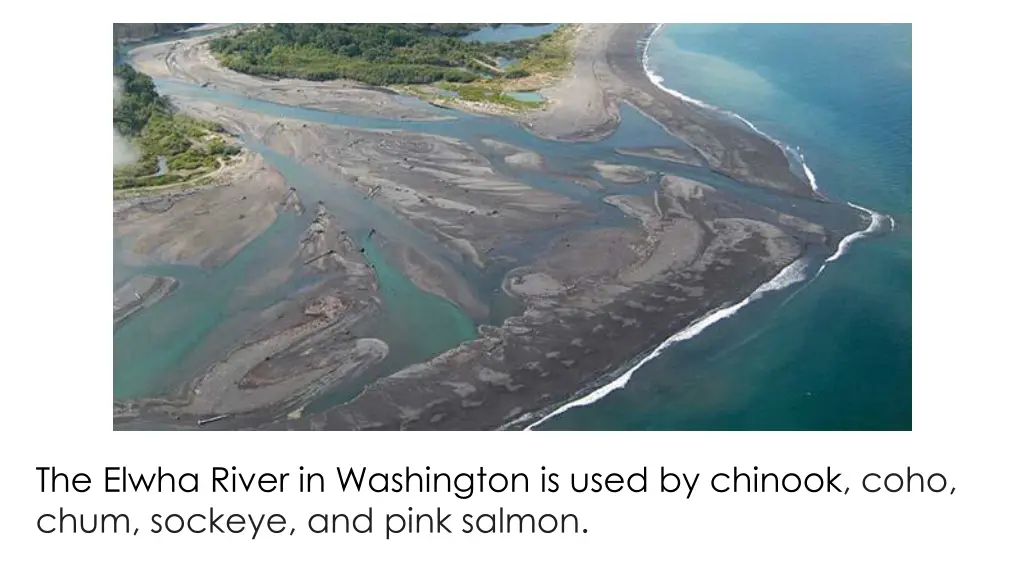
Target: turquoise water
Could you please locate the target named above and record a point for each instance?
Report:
(836, 352)
(526, 96)
(211, 309)
(833, 353)
(510, 32)
(165, 343)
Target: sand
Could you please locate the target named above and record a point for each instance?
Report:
(593, 294)
(590, 307)
(205, 226)
(298, 348)
(621, 173)
(607, 72)
(190, 60)
(516, 156)
(140, 292)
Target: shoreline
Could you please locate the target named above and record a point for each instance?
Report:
(685, 258)
(480, 365)
(659, 82)
(794, 273)
(608, 72)
(154, 289)
(873, 227)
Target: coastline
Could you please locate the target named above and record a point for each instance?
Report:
(873, 227)
(608, 72)
(875, 217)
(586, 317)
(792, 274)
(659, 82)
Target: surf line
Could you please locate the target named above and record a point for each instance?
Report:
(872, 228)
(791, 274)
(659, 82)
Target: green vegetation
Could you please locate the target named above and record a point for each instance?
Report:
(488, 92)
(378, 54)
(404, 55)
(136, 100)
(551, 54)
(189, 147)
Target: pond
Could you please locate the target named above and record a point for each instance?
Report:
(534, 97)
(510, 32)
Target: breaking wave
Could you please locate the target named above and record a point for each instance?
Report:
(792, 274)
(807, 171)
(659, 82)
(873, 227)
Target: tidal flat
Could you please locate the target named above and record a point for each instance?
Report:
(377, 263)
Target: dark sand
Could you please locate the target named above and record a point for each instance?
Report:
(608, 72)
(593, 303)
(138, 293)
(594, 297)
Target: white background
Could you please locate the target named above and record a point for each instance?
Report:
(58, 358)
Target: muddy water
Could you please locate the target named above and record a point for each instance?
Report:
(170, 342)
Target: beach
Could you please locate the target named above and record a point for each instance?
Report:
(570, 268)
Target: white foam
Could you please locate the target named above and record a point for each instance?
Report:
(892, 224)
(795, 272)
(788, 276)
(844, 244)
(659, 82)
(807, 172)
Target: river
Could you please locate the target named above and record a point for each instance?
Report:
(702, 383)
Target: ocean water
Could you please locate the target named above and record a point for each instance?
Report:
(832, 352)
(818, 349)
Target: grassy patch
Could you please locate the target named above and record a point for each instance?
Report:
(552, 53)
(189, 148)
(404, 56)
(388, 54)
(490, 91)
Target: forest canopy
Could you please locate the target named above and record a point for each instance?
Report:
(136, 100)
(188, 147)
(377, 54)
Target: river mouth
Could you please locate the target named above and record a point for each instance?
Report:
(165, 346)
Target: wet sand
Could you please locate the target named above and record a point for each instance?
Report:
(621, 173)
(300, 347)
(593, 294)
(138, 293)
(205, 226)
(593, 302)
(441, 186)
(607, 72)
